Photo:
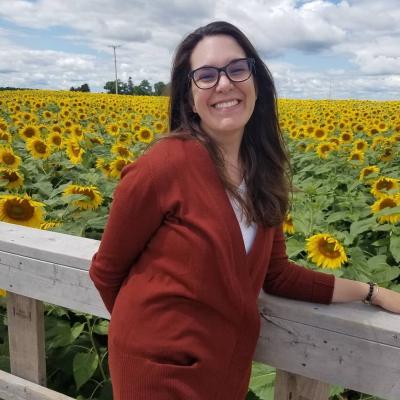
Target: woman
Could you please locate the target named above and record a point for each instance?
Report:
(195, 232)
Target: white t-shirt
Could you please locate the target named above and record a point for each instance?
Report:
(248, 231)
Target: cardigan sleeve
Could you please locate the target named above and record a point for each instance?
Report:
(287, 279)
(134, 217)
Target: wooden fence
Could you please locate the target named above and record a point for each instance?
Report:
(311, 345)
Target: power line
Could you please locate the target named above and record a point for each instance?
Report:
(115, 66)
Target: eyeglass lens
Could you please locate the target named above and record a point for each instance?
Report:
(237, 71)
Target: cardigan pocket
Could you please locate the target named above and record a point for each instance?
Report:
(142, 378)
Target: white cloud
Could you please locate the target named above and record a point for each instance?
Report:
(364, 32)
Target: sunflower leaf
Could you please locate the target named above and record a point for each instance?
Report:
(395, 247)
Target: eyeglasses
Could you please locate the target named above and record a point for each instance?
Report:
(238, 70)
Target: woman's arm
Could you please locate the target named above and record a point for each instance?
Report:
(346, 290)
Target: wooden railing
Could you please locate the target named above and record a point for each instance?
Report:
(311, 345)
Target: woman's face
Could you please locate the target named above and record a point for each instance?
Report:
(224, 109)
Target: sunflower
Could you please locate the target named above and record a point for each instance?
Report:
(320, 133)
(356, 155)
(365, 172)
(50, 225)
(323, 149)
(387, 202)
(384, 186)
(387, 154)
(159, 127)
(29, 131)
(74, 151)
(103, 166)
(117, 165)
(5, 136)
(121, 151)
(360, 145)
(325, 251)
(94, 198)
(288, 226)
(21, 210)
(346, 137)
(9, 159)
(3, 125)
(55, 140)
(124, 138)
(14, 178)
(112, 129)
(38, 148)
(146, 135)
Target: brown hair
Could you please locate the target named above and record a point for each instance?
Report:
(262, 150)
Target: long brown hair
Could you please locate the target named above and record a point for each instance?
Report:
(262, 151)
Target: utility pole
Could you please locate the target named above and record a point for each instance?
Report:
(115, 66)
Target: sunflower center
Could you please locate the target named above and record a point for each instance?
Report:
(123, 151)
(40, 147)
(387, 203)
(56, 140)
(325, 148)
(384, 184)
(145, 134)
(120, 164)
(328, 249)
(29, 132)
(10, 176)
(19, 210)
(75, 150)
(8, 158)
(89, 193)
(367, 172)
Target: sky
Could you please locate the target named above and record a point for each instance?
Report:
(314, 49)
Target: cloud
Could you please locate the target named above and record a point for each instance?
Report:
(364, 33)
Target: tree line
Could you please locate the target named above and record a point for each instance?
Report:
(144, 88)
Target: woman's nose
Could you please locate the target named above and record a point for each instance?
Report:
(224, 82)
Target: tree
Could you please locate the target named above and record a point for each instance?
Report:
(159, 88)
(144, 88)
(110, 87)
(130, 87)
(83, 88)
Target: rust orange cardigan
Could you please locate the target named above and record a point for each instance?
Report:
(182, 292)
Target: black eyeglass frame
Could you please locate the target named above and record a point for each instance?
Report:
(252, 69)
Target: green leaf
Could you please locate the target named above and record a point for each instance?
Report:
(294, 247)
(58, 333)
(395, 247)
(101, 328)
(337, 216)
(358, 227)
(262, 381)
(77, 329)
(386, 275)
(84, 366)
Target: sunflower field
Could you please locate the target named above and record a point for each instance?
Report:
(61, 155)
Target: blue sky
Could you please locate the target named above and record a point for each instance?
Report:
(314, 49)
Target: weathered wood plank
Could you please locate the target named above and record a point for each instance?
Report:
(328, 356)
(50, 282)
(15, 388)
(356, 319)
(53, 247)
(26, 338)
(296, 387)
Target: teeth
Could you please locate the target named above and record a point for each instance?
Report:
(226, 104)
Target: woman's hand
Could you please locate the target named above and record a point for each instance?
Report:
(387, 299)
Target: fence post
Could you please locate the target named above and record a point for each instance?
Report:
(290, 386)
(26, 337)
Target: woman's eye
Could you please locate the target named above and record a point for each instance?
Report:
(206, 76)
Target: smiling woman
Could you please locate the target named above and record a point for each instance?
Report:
(195, 232)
